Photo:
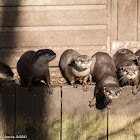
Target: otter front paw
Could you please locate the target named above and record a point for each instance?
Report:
(49, 89)
(135, 89)
(74, 85)
(109, 105)
(84, 87)
(92, 102)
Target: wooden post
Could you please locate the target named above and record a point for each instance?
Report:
(38, 114)
(79, 121)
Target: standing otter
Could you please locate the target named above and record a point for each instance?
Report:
(138, 57)
(103, 72)
(74, 66)
(33, 66)
(127, 70)
(6, 73)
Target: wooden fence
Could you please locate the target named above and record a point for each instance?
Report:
(65, 115)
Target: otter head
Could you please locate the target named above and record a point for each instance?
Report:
(83, 62)
(128, 73)
(5, 72)
(111, 92)
(45, 55)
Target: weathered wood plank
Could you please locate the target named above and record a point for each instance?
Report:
(53, 15)
(127, 20)
(49, 2)
(50, 36)
(7, 111)
(132, 45)
(114, 20)
(79, 121)
(14, 54)
(38, 113)
(124, 119)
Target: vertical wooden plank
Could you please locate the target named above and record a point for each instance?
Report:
(138, 20)
(124, 119)
(114, 20)
(38, 113)
(108, 25)
(127, 20)
(7, 111)
(79, 121)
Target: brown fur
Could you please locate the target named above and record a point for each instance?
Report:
(104, 73)
(32, 68)
(127, 70)
(71, 71)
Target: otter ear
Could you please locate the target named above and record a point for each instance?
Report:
(138, 67)
(39, 53)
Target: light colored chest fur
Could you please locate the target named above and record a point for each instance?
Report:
(80, 73)
(4, 76)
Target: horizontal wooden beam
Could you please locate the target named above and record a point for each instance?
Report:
(49, 2)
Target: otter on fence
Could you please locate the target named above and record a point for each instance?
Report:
(127, 70)
(103, 72)
(6, 73)
(33, 66)
(74, 66)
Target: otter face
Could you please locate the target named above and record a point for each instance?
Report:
(129, 72)
(45, 55)
(5, 72)
(111, 92)
(83, 62)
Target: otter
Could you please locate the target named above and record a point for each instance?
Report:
(33, 66)
(138, 58)
(103, 72)
(6, 73)
(74, 67)
(127, 70)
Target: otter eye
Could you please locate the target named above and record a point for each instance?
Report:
(104, 88)
(137, 68)
(121, 69)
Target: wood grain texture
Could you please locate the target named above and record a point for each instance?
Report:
(38, 113)
(7, 111)
(127, 20)
(138, 20)
(49, 2)
(79, 121)
(114, 20)
(50, 36)
(131, 45)
(124, 119)
(53, 15)
(15, 54)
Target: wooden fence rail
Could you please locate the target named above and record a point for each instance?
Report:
(65, 115)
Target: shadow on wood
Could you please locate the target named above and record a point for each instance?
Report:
(38, 114)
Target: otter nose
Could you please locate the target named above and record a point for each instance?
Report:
(115, 92)
(85, 63)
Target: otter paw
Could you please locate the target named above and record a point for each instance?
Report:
(74, 86)
(109, 106)
(85, 88)
(50, 90)
(135, 90)
(92, 102)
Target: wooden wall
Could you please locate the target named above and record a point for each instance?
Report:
(59, 25)
(87, 26)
